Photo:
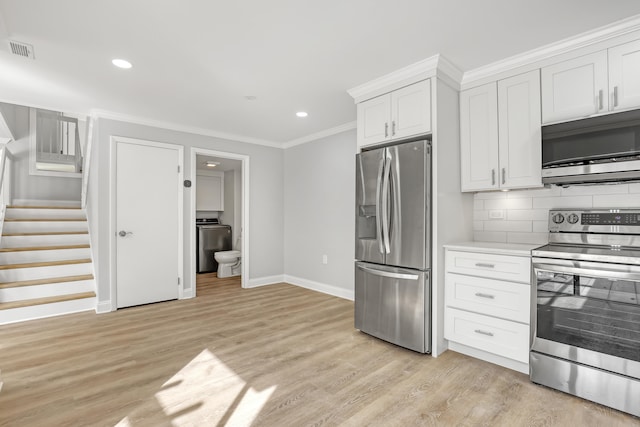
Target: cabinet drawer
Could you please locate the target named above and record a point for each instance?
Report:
(503, 267)
(507, 300)
(502, 337)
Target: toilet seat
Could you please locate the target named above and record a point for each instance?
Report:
(226, 256)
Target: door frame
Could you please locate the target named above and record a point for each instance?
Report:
(244, 219)
(113, 270)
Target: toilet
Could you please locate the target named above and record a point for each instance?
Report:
(229, 263)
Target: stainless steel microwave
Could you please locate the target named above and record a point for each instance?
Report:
(597, 149)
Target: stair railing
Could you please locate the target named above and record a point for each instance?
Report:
(5, 181)
(86, 158)
(58, 139)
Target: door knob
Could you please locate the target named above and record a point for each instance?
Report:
(123, 233)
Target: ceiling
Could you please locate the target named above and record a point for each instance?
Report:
(196, 61)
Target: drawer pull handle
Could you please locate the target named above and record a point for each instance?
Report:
(485, 265)
(481, 332)
(488, 296)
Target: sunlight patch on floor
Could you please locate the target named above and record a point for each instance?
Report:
(204, 392)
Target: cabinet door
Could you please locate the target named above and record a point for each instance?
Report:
(411, 110)
(373, 120)
(519, 131)
(479, 138)
(575, 88)
(624, 76)
(209, 193)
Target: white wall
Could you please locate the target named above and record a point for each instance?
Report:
(526, 212)
(266, 215)
(319, 200)
(35, 187)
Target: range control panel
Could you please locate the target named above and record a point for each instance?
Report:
(596, 220)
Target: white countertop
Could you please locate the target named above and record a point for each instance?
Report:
(517, 249)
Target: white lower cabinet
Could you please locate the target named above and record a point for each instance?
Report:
(487, 316)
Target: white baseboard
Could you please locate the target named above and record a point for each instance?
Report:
(489, 357)
(187, 293)
(103, 307)
(320, 287)
(262, 281)
(35, 202)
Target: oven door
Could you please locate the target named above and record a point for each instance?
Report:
(588, 313)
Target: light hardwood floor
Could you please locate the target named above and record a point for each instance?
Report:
(272, 356)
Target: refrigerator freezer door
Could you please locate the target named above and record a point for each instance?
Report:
(409, 183)
(393, 304)
(369, 243)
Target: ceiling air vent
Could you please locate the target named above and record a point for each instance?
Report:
(22, 49)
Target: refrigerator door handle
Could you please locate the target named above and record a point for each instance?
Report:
(385, 201)
(389, 274)
(379, 235)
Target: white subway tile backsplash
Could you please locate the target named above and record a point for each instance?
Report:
(617, 201)
(540, 226)
(527, 211)
(520, 203)
(527, 214)
(490, 236)
(489, 195)
(541, 238)
(523, 226)
(592, 190)
(563, 202)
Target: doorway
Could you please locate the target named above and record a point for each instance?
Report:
(147, 237)
(231, 208)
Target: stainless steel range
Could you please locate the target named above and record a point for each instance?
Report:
(587, 331)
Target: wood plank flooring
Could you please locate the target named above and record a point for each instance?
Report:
(272, 356)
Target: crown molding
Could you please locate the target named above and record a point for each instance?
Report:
(109, 115)
(318, 135)
(570, 44)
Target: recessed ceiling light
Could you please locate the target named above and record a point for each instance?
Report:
(211, 164)
(302, 114)
(121, 63)
(250, 98)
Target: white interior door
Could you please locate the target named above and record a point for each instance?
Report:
(148, 206)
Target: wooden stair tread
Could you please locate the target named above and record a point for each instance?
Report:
(43, 248)
(48, 281)
(45, 219)
(44, 233)
(45, 300)
(42, 207)
(45, 264)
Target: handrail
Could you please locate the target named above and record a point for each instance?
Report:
(86, 163)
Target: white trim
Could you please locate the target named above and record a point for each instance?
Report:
(602, 34)
(264, 281)
(245, 211)
(5, 131)
(318, 135)
(113, 140)
(320, 287)
(86, 162)
(489, 357)
(109, 115)
(104, 307)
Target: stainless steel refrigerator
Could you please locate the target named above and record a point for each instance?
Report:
(393, 239)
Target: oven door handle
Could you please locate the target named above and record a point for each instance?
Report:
(604, 274)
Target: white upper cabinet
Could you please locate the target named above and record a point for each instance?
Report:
(575, 88)
(500, 135)
(402, 113)
(624, 76)
(519, 131)
(598, 83)
(479, 138)
(210, 191)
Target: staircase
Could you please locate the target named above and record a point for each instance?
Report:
(45, 263)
